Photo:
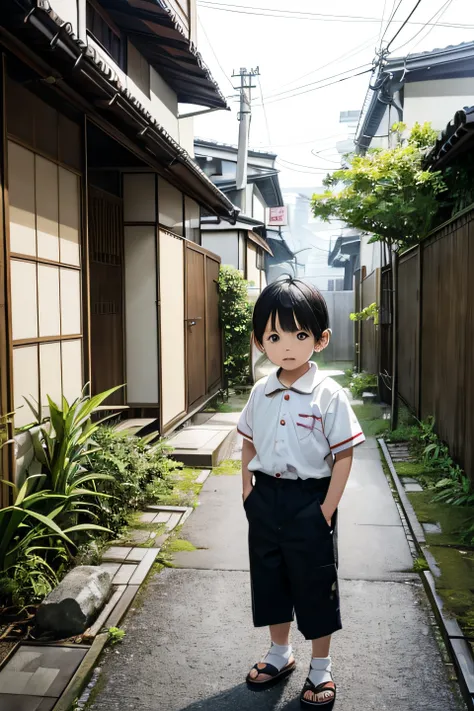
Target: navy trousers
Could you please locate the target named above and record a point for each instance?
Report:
(293, 555)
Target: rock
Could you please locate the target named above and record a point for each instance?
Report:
(71, 607)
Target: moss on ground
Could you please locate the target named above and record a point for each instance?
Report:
(454, 520)
(185, 490)
(228, 467)
(176, 545)
(235, 403)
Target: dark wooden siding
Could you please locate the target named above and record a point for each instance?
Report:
(408, 328)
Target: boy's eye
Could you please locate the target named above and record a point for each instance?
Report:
(274, 338)
(302, 336)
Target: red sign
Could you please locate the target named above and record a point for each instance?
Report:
(277, 217)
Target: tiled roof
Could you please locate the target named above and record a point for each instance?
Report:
(457, 133)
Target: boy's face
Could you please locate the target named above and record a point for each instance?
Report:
(290, 350)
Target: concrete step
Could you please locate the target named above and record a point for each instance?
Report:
(206, 444)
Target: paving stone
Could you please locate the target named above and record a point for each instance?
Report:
(125, 572)
(203, 476)
(116, 553)
(137, 537)
(143, 568)
(136, 555)
(122, 606)
(147, 517)
(412, 488)
(106, 612)
(432, 527)
(162, 517)
(172, 509)
(408, 480)
(38, 671)
(111, 568)
(174, 521)
(26, 703)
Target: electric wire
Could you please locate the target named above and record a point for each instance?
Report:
(416, 6)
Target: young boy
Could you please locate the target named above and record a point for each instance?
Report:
(299, 432)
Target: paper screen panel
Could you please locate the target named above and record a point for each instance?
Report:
(25, 383)
(141, 315)
(173, 383)
(70, 302)
(69, 217)
(50, 374)
(24, 302)
(48, 293)
(47, 209)
(21, 192)
(71, 366)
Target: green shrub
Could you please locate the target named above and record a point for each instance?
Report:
(361, 383)
(236, 319)
(135, 472)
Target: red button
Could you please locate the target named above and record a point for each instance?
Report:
(287, 397)
(278, 476)
(282, 422)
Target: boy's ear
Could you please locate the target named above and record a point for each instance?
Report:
(323, 341)
(255, 343)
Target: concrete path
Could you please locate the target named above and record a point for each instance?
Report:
(190, 640)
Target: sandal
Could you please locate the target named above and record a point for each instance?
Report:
(309, 686)
(270, 670)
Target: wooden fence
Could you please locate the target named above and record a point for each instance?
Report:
(435, 352)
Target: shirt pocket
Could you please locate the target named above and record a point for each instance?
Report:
(307, 424)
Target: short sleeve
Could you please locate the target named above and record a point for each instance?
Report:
(341, 426)
(245, 424)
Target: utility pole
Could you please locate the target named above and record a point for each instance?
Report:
(244, 118)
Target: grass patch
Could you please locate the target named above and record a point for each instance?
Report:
(176, 545)
(228, 467)
(413, 469)
(371, 419)
(235, 403)
(420, 564)
(185, 490)
(453, 519)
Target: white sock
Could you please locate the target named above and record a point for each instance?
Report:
(278, 655)
(320, 670)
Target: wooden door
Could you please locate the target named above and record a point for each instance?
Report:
(213, 327)
(195, 325)
(106, 285)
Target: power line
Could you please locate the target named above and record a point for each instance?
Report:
(336, 162)
(323, 86)
(356, 50)
(417, 4)
(390, 19)
(381, 22)
(214, 53)
(311, 167)
(439, 13)
(318, 81)
(292, 15)
(264, 111)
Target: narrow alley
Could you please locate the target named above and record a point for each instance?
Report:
(190, 641)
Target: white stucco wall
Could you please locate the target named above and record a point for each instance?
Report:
(225, 244)
(67, 11)
(258, 211)
(162, 103)
(186, 135)
(436, 101)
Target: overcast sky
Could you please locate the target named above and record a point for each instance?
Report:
(292, 52)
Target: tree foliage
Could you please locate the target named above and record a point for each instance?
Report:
(386, 193)
(236, 318)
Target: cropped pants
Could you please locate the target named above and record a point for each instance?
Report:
(293, 555)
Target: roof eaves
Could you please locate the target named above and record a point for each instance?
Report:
(149, 124)
(458, 134)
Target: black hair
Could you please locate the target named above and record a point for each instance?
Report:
(299, 306)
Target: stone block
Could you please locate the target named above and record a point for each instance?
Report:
(71, 607)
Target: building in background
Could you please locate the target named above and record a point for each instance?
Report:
(243, 245)
(101, 265)
(429, 86)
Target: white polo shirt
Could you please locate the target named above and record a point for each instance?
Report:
(296, 431)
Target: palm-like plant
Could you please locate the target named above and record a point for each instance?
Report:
(62, 448)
